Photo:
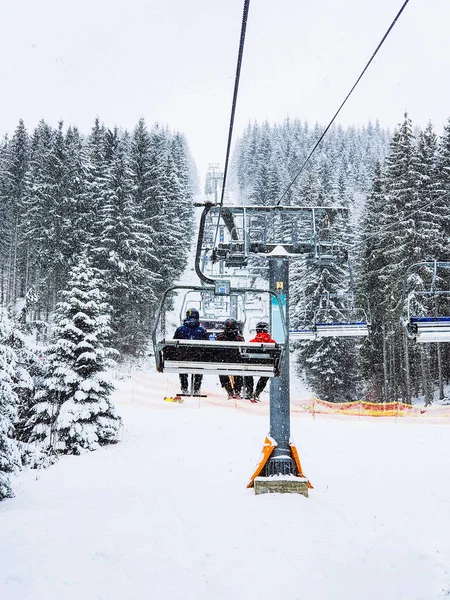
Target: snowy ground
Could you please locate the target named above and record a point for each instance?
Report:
(165, 514)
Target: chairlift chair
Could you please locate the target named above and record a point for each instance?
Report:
(302, 335)
(350, 321)
(429, 329)
(213, 357)
(342, 329)
(425, 328)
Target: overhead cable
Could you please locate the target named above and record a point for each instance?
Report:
(345, 100)
(233, 106)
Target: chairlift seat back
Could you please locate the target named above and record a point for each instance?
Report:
(346, 329)
(302, 335)
(429, 329)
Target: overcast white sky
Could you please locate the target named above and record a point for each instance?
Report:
(174, 61)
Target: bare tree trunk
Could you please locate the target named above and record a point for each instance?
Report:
(385, 367)
(440, 377)
(26, 269)
(392, 379)
(14, 265)
(9, 275)
(2, 283)
(408, 399)
(426, 376)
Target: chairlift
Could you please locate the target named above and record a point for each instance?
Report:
(347, 320)
(429, 329)
(302, 335)
(213, 357)
(428, 307)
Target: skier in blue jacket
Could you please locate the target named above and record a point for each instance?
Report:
(191, 330)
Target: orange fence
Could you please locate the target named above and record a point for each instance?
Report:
(370, 409)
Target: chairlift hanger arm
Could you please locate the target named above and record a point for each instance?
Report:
(228, 219)
(228, 216)
(201, 230)
(432, 264)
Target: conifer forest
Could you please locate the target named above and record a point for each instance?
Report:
(95, 227)
(397, 189)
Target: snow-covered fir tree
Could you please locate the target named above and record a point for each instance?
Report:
(52, 190)
(73, 411)
(164, 210)
(125, 253)
(9, 453)
(372, 261)
(13, 253)
(403, 225)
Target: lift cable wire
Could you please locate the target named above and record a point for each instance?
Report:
(345, 100)
(233, 108)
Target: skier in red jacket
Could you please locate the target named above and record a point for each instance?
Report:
(262, 335)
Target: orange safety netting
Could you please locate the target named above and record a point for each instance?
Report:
(372, 409)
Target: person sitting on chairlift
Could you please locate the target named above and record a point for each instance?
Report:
(262, 336)
(191, 330)
(231, 384)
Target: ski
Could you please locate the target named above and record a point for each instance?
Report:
(173, 399)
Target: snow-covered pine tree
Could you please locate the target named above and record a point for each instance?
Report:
(442, 204)
(13, 167)
(28, 372)
(372, 260)
(39, 210)
(73, 191)
(9, 454)
(329, 364)
(125, 253)
(398, 236)
(73, 410)
(186, 171)
(94, 167)
(443, 188)
(161, 210)
(429, 237)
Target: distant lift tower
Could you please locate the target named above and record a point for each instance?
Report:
(214, 176)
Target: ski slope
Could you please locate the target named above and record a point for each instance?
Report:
(165, 513)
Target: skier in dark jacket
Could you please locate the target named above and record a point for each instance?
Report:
(232, 384)
(191, 330)
(262, 336)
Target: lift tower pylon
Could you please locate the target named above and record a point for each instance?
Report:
(276, 234)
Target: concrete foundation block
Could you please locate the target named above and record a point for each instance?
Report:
(281, 484)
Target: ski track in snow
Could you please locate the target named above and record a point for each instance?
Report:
(165, 513)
